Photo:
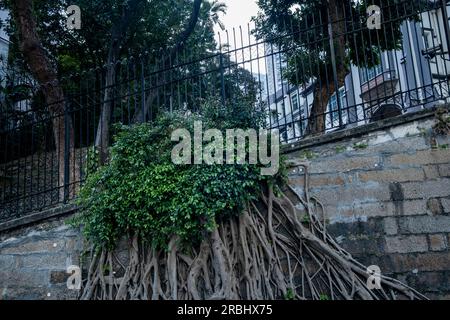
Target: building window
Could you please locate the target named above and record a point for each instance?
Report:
(303, 116)
(284, 134)
(431, 47)
(274, 116)
(368, 74)
(428, 39)
(297, 131)
(295, 102)
(333, 107)
(283, 109)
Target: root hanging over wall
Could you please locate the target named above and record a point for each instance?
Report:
(278, 248)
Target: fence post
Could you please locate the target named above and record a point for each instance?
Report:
(143, 97)
(222, 80)
(333, 63)
(66, 152)
(446, 26)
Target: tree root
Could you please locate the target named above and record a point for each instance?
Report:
(268, 252)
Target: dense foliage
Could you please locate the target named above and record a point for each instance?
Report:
(153, 27)
(142, 192)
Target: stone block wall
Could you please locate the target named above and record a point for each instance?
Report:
(387, 198)
(34, 261)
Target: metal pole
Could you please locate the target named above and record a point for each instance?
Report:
(66, 152)
(446, 26)
(333, 63)
(222, 80)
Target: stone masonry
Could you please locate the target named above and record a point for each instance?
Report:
(387, 199)
(34, 261)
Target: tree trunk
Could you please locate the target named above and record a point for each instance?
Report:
(322, 94)
(130, 13)
(317, 117)
(44, 72)
(327, 87)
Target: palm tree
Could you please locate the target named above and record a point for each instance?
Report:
(217, 8)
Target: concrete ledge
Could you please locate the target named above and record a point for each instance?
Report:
(359, 131)
(61, 210)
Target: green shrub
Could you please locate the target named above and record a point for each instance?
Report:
(140, 191)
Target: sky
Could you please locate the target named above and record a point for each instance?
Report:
(239, 12)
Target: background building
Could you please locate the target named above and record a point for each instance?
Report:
(409, 79)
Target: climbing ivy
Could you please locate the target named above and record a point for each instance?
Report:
(141, 192)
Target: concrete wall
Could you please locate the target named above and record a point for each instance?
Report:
(386, 192)
(387, 198)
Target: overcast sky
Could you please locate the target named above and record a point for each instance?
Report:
(239, 12)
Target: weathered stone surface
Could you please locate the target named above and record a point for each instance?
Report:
(33, 261)
(363, 245)
(438, 242)
(319, 180)
(414, 207)
(43, 261)
(372, 227)
(57, 277)
(406, 244)
(446, 205)
(55, 292)
(427, 189)
(7, 262)
(428, 261)
(74, 243)
(444, 170)
(390, 226)
(435, 207)
(353, 193)
(32, 245)
(393, 206)
(424, 157)
(393, 175)
(389, 146)
(20, 277)
(424, 224)
(431, 172)
(23, 293)
(361, 211)
(429, 282)
(346, 164)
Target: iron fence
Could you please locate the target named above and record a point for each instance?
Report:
(324, 73)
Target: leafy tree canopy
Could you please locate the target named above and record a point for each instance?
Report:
(155, 26)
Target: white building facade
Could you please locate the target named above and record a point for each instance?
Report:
(409, 79)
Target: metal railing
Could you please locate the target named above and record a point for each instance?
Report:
(43, 165)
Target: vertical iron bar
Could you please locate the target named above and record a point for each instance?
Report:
(333, 63)
(66, 153)
(446, 26)
(222, 79)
